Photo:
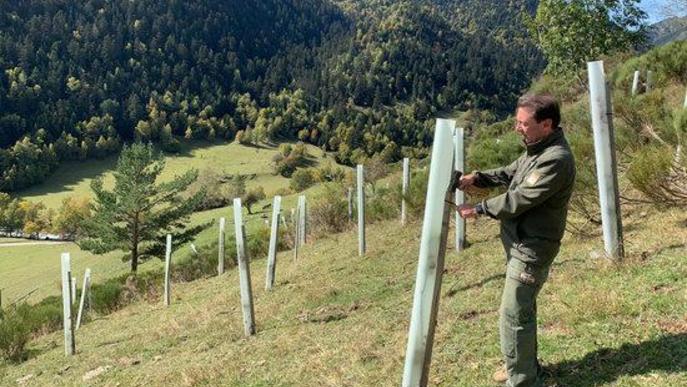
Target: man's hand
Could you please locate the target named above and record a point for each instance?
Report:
(467, 211)
(467, 181)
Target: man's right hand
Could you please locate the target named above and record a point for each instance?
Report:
(467, 181)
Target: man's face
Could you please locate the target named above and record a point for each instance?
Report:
(529, 128)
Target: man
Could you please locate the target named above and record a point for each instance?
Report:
(533, 213)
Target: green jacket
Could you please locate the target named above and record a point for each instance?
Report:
(534, 209)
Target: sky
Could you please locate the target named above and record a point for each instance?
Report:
(655, 9)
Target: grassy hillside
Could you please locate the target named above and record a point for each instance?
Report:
(74, 178)
(336, 319)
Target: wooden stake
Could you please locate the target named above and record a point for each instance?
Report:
(606, 170)
(220, 249)
(459, 164)
(361, 210)
(84, 290)
(302, 223)
(404, 190)
(431, 259)
(244, 271)
(68, 322)
(274, 234)
(350, 204)
(168, 263)
(73, 285)
(296, 236)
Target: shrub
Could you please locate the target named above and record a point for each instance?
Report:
(585, 199)
(328, 172)
(217, 194)
(660, 173)
(21, 321)
(43, 317)
(382, 204)
(106, 296)
(648, 169)
(417, 193)
(638, 117)
(358, 156)
(245, 137)
(285, 149)
(302, 179)
(329, 211)
(203, 263)
(237, 187)
(303, 134)
(563, 88)
(488, 152)
(283, 165)
(390, 153)
(258, 243)
(252, 196)
(375, 169)
(239, 136)
(289, 158)
(14, 335)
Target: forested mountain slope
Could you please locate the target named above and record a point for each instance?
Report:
(356, 77)
(668, 30)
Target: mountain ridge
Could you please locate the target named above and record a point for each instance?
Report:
(668, 30)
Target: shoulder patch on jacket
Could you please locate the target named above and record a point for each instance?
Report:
(533, 178)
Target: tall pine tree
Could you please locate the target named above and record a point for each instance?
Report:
(136, 215)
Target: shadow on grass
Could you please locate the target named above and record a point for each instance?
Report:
(257, 146)
(452, 292)
(69, 174)
(666, 354)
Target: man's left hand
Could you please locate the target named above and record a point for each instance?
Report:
(467, 211)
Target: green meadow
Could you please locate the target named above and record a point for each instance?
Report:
(74, 178)
(35, 268)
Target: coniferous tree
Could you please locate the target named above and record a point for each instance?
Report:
(135, 216)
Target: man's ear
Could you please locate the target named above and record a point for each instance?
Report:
(548, 124)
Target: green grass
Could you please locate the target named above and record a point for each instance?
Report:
(12, 240)
(36, 269)
(37, 266)
(74, 178)
(336, 319)
(25, 268)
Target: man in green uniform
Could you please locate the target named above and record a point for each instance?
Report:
(533, 213)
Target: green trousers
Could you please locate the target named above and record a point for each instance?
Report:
(518, 322)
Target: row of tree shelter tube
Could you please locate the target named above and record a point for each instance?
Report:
(299, 217)
(448, 149)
